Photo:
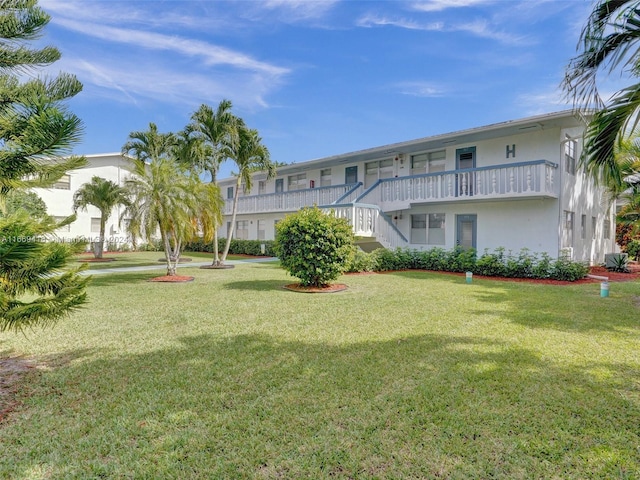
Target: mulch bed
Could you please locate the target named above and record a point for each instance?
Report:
(598, 271)
(331, 288)
(172, 279)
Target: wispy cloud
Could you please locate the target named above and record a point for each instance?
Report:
(479, 28)
(211, 54)
(439, 5)
(297, 10)
(375, 20)
(420, 89)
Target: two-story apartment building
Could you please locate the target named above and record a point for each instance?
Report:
(514, 185)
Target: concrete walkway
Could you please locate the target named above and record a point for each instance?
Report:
(163, 266)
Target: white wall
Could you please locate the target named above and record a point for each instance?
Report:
(60, 202)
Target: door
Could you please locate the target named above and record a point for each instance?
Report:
(465, 160)
(466, 230)
(351, 175)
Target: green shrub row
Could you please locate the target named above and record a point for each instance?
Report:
(498, 263)
(237, 247)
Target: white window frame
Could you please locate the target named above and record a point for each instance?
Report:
(297, 182)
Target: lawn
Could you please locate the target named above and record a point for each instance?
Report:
(403, 375)
(140, 259)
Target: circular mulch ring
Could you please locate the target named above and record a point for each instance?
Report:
(224, 266)
(97, 260)
(172, 279)
(332, 288)
(182, 259)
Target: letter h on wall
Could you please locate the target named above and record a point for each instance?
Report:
(511, 150)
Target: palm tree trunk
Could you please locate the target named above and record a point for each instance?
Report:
(233, 220)
(97, 253)
(216, 254)
(171, 268)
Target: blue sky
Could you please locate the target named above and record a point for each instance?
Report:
(315, 78)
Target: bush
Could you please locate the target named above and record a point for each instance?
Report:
(491, 264)
(237, 247)
(361, 262)
(563, 269)
(314, 246)
(633, 249)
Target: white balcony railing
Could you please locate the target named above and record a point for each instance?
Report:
(291, 201)
(527, 179)
(370, 221)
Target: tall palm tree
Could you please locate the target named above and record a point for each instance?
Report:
(158, 192)
(608, 43)
(249, 155)
(104, 195)
(219, 133)
(164, 197)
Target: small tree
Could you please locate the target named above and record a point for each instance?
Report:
(104, 195)
(314, 246)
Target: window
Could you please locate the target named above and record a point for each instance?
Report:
(261, 229)
(95, 224)
(594, 224)
(427, 228)
(262, 187)
(435, 234)
(297, 182)
(570, 155)
(229, 193)
(607, 228)
(419, 228)
(583, 226)
(64, 183)
(374, 171)
(66, 228)
(242, 230)
(430, 162)
(567, 231)
(325, 177)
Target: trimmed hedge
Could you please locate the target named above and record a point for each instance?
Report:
(237, 247)
(498, 263)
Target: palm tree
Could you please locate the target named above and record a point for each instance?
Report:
(164, 198)
(250, 156)
(218, 132)
(104, 195)
(608, 42)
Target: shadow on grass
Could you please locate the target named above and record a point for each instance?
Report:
(252, 406)
(130, 277)
(257, 285)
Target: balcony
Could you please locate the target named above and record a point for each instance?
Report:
(294, 200)
(534, 179)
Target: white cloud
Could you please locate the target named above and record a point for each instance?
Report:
(439, 5)
(297, 10)
(420, 89)
(212, 54)
(372, 20)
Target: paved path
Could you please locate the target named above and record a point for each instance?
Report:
(163, 266)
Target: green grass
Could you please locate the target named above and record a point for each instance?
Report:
(140, 259)
(403, 375)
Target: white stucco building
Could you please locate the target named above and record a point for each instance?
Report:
(514, 185)
(59, 199)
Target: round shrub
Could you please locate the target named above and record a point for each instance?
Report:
(314, 246)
